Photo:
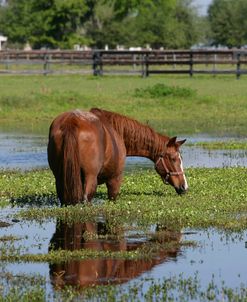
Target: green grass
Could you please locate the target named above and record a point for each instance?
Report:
(216, 198)
(216, 106)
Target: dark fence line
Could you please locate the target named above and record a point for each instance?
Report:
(144, 62)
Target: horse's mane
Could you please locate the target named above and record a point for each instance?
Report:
(135, 134)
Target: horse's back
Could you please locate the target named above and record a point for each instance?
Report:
(84, 127)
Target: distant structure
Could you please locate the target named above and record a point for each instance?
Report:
(2, 41)
(27, 47)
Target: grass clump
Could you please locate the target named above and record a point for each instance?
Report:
(22, 188)
(161, 90)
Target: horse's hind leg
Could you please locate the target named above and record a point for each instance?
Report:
(90, 185)
(59, 189)
(113, 187)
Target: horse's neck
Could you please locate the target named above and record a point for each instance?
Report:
(139, 139)
(142, 146)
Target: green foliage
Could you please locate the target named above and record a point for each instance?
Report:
(138, 23)
(59, 23)
(162, 90)
(50, 24)
(228, 22)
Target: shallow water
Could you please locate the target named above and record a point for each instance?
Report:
(29, 152)
(216, 255)
(22, 151)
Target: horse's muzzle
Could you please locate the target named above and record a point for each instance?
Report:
(181, 190)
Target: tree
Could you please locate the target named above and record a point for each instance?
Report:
(45, 23)
(159, 23)
(228, 22)
(63, 23)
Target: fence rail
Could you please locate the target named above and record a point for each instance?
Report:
(144, 62)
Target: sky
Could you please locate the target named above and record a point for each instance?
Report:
(202, 5)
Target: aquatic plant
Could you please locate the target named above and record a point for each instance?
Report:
(217, 198)
(173, 288)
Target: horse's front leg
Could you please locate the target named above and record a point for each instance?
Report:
(113, 187)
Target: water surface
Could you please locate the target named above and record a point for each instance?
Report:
(217, 255)
(29, 152)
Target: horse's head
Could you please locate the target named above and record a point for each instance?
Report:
(169, 166)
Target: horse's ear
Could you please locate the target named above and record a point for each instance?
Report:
(179, 143)
(171, 141)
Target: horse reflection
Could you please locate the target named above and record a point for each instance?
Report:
(102, 270)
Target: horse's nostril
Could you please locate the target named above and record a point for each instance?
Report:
(181, 190)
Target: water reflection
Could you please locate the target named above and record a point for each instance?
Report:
(103, 270)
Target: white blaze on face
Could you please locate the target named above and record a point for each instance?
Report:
(182, 169)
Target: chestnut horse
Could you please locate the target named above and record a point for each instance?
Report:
(86, 149)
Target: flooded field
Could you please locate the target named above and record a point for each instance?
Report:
(216, 257)
(198, 264)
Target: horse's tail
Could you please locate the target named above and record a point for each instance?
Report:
(72, 184)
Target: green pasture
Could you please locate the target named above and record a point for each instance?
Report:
(214, 105)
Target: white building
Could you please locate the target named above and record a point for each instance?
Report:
(2, 41)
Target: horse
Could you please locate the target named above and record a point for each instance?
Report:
(89, 148)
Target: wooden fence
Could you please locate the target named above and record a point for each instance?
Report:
(144, 62)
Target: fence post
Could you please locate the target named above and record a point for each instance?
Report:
(215, 66)
(46, 64)
(97, 63)
(238, 71)
(174, 57)
(134, 58)
(145, 65)
(191, 63)
(7, 62)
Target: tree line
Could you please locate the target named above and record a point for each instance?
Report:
(96, 23)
